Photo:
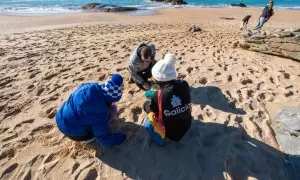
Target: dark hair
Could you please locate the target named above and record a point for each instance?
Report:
(145, 52)
(271, 2)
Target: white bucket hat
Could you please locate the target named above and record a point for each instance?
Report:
(164, 70)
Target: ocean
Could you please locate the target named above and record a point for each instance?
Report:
(45, 7)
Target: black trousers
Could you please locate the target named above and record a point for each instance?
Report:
(89, 136)
(146, 74)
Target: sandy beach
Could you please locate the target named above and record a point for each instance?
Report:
(44, 58)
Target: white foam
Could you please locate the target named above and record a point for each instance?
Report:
(36, 11)
(146, 9)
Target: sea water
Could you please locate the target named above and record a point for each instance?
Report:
(44, 7)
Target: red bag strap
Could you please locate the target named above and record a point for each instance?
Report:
(159, 98)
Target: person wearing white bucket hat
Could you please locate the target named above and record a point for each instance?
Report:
(174, 99)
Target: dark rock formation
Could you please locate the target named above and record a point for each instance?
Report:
(239, 4)
(174, 2)
(227, 18)
(194, 29)
(106, 8)
(283, 43)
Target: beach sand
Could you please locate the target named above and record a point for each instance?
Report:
(43, 59)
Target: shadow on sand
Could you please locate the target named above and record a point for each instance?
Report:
(207, 151)
(213, 96)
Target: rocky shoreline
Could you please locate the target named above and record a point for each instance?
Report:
(107, 8)
(280, 42)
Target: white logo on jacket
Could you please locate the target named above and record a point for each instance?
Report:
(176, 103)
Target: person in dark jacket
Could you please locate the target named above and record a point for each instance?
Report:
(141, 62)
(267, 13)
(245, 22)
(85, 114)
(176, 99)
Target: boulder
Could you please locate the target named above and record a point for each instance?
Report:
(283, 43)
(296, 30)
(106, 8)
(285, 121)
(174, 2)
(194, 29)
(290, 118)
(238, 4)
(227, 18)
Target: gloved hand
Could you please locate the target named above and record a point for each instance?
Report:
(149, 93)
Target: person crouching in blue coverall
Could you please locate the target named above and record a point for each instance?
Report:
(86, 113)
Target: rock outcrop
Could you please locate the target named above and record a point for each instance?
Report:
(239, 4)
(174, 2)
(280, 42)
(106, 8)
(194, 28)
(288, 136)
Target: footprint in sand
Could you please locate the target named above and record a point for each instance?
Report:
(8, 171)
(89, 67)
(78, 79)
(11, 135)
(41, 129)
(5, 81)
(88, 174)
(229, 78)
(3, 130)
(261, 97)
(30, 87)
(189, 69)
(217, 74)
(83, 170)
(40, 91)
(51, 112)
(50, 76)
(11, 111)
(290, 93)
(286, 75)
(203, 80)
(64, 70)
(250, 93)
(246, 81)
(239, 92)
(272, 80)
(120, 69)
(29, 121)
(51, 98)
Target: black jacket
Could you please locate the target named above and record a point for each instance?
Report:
(267, 13)
(176, 108)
